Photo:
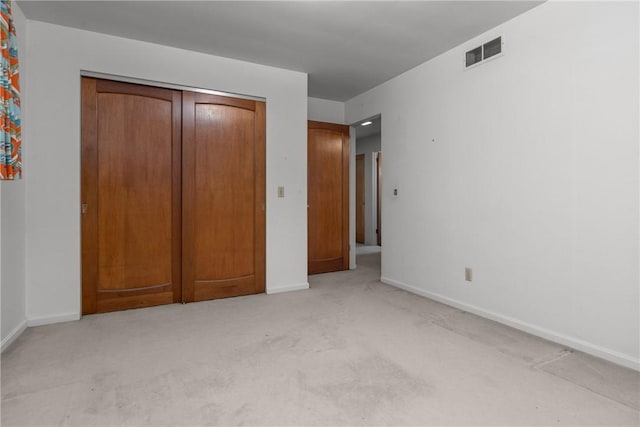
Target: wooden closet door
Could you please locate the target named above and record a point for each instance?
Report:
(328, 197)
(131, 201)
(224, 196)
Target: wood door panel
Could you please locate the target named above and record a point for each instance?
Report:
(89, 195)
(360, 189)
(131, 190)
(224, 195)
(224, 203)
(134, 200)
(325, 174)
(328, 197)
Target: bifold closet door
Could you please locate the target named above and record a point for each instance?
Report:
(131, 196)
(223, 248)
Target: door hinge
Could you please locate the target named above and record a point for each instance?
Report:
(83, 208)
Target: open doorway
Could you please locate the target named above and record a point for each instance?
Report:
(368, 175)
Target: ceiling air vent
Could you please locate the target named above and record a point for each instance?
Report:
(484, 52)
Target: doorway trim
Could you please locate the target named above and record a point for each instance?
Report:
(379, 196)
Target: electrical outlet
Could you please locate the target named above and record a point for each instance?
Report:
(280, 191)
(468, 274)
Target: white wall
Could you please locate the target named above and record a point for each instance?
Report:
(324, 110)
(532, 179)
(369, 146)
(56, 55)
(12, 199)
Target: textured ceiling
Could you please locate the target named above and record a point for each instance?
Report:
(345, 47)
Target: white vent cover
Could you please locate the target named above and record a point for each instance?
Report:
(483, 52)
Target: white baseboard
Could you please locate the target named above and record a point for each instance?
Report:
(572, 342)
(48, 320)
(289, 288)
(13, 335)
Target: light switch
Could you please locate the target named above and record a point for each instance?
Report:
(280, 191)
(468, 274)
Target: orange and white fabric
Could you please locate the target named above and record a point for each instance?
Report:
(10, 132)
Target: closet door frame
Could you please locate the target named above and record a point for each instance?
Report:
(183, 161)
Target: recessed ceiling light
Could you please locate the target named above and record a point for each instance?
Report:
(366, 123)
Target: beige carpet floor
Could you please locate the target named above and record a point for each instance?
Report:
(348, 351)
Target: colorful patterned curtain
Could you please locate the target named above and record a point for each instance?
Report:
(10, 134)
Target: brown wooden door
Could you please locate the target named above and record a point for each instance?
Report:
(224, 196)
(360, 187)
(130, 196)
(328, 197)
(379, 198)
